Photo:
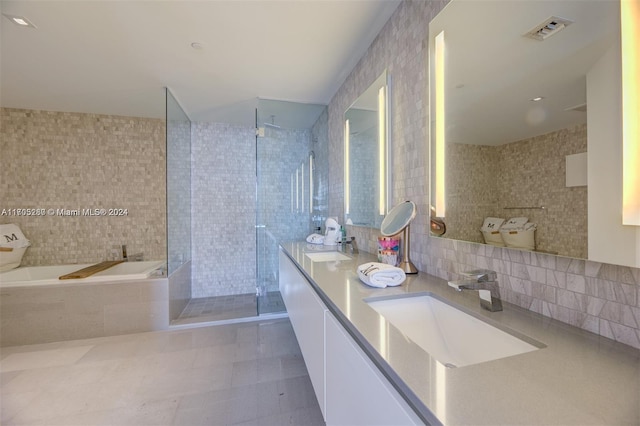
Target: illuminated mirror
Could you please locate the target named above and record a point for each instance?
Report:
(366, 156)
(514, 111)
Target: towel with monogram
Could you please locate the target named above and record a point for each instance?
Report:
(380, 275)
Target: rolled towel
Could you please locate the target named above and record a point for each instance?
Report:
(380, 275)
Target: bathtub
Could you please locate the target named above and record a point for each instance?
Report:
(31, 276)
(36, 307)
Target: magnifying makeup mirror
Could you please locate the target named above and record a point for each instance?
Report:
(397, 221)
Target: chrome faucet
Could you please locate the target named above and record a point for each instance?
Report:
(483, 281)
(138, 257)
(353, 247)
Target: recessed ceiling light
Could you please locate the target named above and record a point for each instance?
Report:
(19, 20)
(539, 98)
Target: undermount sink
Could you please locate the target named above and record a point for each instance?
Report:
(451, 336)
(326, 256)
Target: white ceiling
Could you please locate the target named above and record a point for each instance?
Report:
(493, 71)
(115, 57)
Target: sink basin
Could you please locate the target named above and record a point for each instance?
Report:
(326, 256)
(451, 336)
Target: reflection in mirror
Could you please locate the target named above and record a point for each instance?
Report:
(366, 156)
(516, 125)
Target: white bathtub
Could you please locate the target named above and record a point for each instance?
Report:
(32, 276)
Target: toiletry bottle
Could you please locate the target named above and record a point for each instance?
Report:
(343, 233)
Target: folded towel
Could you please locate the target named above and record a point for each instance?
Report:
(380, 275)
(515, 223)
(492, 224)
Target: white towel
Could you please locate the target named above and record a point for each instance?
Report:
(492, 224)
(315, 239)
(514, 223)
(380, 275)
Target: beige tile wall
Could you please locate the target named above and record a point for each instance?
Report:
(60, 160)
(482, 180)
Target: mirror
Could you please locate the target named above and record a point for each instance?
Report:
(514, 117)
(397, 221)
(366, 156)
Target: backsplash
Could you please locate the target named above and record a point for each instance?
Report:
(75, 161)
(597, 297)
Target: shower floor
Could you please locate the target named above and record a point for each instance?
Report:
(236, 306)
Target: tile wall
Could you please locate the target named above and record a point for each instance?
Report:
(73, 161)
(223, 206)
(530, 172)
(598, 297)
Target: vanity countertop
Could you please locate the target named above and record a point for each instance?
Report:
(577, 378)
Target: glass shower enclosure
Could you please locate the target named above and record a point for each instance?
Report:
(290, 195)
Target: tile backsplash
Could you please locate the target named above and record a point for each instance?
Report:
(75, 161)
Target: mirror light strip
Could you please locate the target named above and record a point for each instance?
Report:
(382, 143)
(347, 190)
(630, 38)
(310, 183)
(440, 123)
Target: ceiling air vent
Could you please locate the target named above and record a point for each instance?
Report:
(548, 28)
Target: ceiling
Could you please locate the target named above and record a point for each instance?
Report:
(493, 71)
(116, 57)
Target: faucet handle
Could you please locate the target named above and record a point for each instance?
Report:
(481, 275)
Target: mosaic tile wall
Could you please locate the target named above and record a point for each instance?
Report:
(320, 147)
(178, 186)
(482, 180)
(224, 202)
(284, 214)
(597, 297)
(73, 161)
(223, 185)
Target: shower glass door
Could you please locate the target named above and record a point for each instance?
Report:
(285, 187)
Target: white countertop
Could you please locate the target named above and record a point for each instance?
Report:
(578, 378)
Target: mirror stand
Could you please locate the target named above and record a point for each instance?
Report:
(406, 264)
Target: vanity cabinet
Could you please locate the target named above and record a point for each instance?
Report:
(356, 392)
(306, 312)
(350, 389)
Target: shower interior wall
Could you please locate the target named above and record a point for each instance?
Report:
(226, 248)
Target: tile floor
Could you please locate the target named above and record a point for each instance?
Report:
(219, 308)
(249, 373)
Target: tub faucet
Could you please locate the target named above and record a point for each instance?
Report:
(138, 257)
(483, 281)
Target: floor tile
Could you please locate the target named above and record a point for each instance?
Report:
(244, 373)
(46, 358)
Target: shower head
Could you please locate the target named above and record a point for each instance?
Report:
(273, 124)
